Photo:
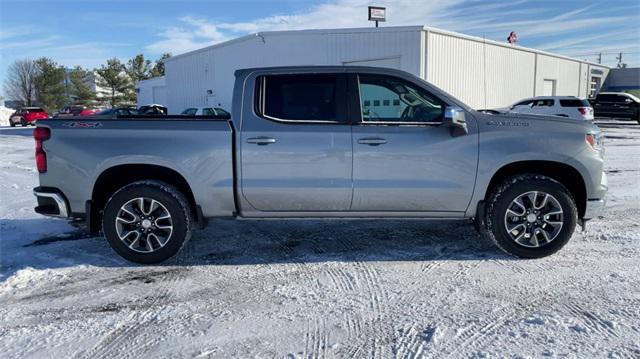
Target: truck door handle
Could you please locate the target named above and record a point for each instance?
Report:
(261, 141)
(376, 141)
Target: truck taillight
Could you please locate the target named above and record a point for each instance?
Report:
(583, 110)
(41, 134)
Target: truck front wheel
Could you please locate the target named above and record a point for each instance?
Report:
(531, 216)
(147, 221)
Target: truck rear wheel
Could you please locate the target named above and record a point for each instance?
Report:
(531, 216)
(147, 221)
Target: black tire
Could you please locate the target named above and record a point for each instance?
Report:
(501, 198)
(11, 123)
(173, 201)
(23, 123)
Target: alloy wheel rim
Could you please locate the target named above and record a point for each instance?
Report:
(534, 219)
(144, 225)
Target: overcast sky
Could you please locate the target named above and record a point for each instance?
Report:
(88, 32)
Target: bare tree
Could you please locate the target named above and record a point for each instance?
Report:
(20, 82)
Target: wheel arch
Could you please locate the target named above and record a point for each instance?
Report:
(116, 177)
(567, 175)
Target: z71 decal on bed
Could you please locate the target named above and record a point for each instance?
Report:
(82, 124)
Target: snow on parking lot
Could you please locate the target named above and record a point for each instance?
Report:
(320, 289)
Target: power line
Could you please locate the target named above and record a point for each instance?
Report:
(606, 53)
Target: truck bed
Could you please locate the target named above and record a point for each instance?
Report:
(198, 149)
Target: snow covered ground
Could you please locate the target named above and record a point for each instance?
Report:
(320, 289)
(5, 113)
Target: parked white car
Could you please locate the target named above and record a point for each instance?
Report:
(206, 111)
(564, 106)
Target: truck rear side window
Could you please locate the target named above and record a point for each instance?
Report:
(301, 98)
(575, 103)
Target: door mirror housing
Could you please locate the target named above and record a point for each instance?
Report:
(454, 118)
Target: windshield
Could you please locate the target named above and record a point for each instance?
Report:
(189, 112)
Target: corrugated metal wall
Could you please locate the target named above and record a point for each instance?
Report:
(487, 75)
(565, 73)
(190, 76)
(484, 74)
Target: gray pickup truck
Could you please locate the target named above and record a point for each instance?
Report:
(323, 142)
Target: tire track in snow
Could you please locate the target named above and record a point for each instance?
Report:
(317, 339)
(412, 341)
(478, 333)
(115, 341)
(465, 268)
(378, 298)
(148, 335)
(367, 332)
(591, 320)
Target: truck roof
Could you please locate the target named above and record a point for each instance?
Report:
(242, 73)
(319, 68)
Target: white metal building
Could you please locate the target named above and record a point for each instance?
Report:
(482, 73)
(152, 91)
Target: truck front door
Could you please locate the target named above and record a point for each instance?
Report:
(295, 144)
(403, 158)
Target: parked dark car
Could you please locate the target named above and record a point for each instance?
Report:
(153, 109)
(115, 112)
(27, 116)
(616, 105)
(75, 110)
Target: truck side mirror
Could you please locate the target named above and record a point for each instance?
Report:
(454, 118)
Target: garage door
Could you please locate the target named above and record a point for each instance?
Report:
(549, 88)
(159, 95)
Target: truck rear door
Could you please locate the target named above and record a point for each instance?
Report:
(295, 143)
(403, 158)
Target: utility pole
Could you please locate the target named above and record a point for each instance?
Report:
(619, 58)
(600, 58)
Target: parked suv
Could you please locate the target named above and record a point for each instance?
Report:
(27, 116)
(216, 112)
(617, 105)
(563, 106)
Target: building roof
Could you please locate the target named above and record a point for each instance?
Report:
(378, 29)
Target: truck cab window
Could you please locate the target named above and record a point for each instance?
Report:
(301, 98)
(402, 102)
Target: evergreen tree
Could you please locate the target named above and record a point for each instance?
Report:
(79, 88)
(138, 68)
(158, 68)
(49, 84)
(113, 76)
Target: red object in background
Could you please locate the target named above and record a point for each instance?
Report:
(33, 114)
(513, 37)
(88, 112)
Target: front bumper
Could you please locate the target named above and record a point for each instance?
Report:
(595, 206)
(51, 202)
